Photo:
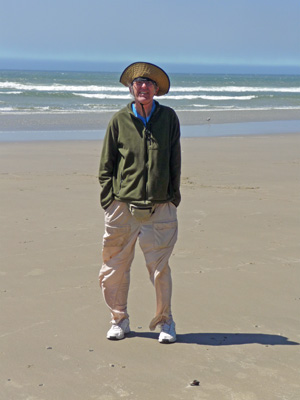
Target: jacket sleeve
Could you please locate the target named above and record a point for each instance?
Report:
(107, 165)
(175, 161)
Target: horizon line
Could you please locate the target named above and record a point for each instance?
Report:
(116, 66)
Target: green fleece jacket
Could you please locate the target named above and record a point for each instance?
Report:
(139, 165)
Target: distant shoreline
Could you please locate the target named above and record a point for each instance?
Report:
(97, 121)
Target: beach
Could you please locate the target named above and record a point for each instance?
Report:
(97, 120)
(235, 274)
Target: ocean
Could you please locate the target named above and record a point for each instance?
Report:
(69, 92)
(45, 93)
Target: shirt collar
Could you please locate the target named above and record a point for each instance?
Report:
(140, 116)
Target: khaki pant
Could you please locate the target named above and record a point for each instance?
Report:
(157, 237)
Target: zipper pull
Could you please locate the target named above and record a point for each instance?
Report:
(148, 136)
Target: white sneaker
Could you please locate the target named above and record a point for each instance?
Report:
(118, 331)
(167, 333)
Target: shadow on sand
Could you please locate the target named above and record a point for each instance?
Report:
(222, 339)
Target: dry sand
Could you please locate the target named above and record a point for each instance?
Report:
(235, 269)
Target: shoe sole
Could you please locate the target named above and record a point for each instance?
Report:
(116, 337)
(167, 341)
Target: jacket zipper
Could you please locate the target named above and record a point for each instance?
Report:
(147, 138)
(121, 181)
(146, 163)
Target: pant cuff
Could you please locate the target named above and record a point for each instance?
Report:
(159, 319)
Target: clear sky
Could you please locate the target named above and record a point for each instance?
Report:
(181, 34)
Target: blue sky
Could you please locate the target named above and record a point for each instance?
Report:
(184, 35)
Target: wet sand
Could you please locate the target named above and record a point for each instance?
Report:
(94, 121)
(235, 271)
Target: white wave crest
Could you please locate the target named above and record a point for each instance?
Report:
(241, 89)
(61, 88)
(214, 98)
(103, 96)
(180, 89)
(14, 92)
(6, 109)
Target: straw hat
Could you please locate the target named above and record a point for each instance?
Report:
(146, 70)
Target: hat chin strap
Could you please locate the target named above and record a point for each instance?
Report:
(143, 109)
(144, 113)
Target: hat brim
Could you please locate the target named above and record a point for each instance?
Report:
(146, 70)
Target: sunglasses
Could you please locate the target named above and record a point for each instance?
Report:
(141, 81)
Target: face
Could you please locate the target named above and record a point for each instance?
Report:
(144, 91)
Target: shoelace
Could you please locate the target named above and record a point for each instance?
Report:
(116, 328)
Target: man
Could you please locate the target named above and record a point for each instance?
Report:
(140, 177)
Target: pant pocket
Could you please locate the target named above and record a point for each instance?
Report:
(114, 240)
(115, 236)
(165, 234)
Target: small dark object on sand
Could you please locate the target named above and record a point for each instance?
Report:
(195, 383)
